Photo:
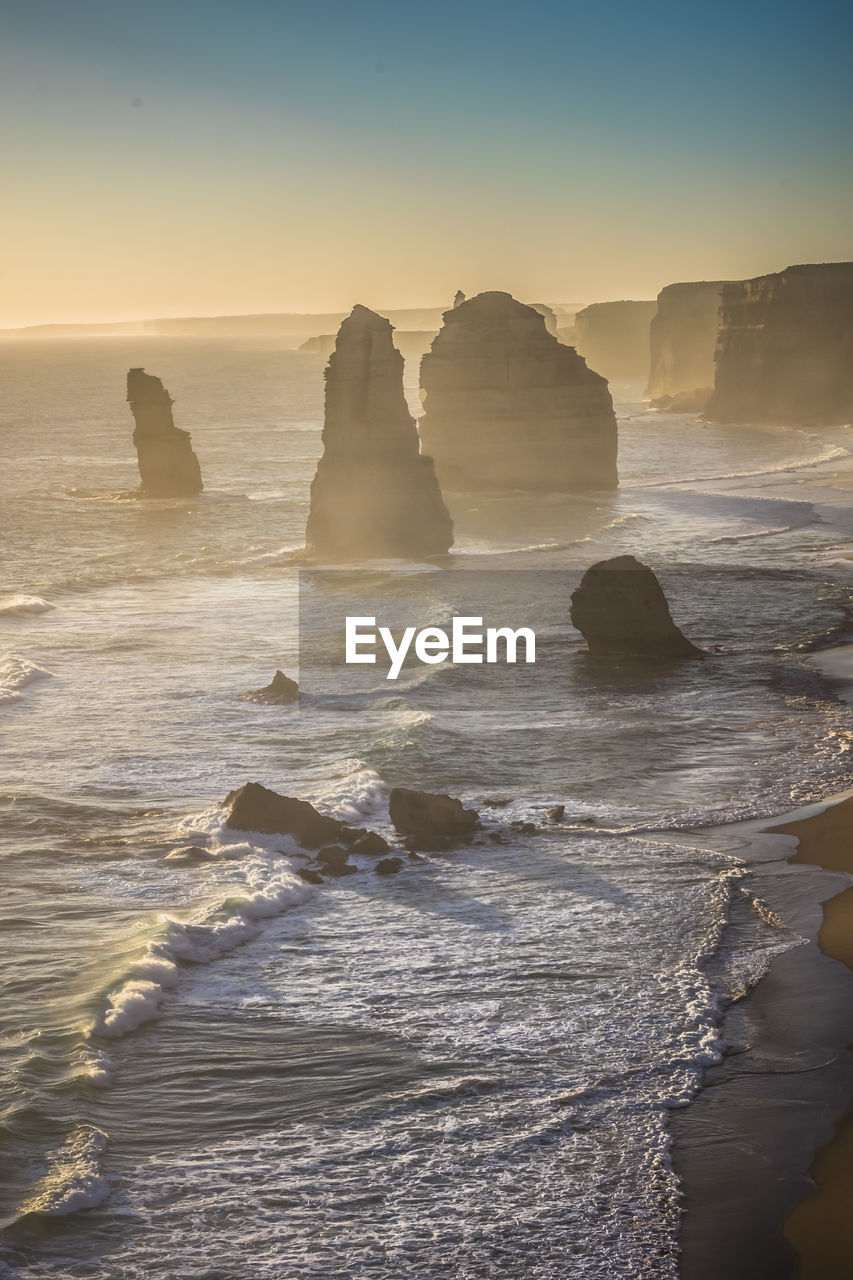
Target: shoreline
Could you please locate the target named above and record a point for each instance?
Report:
(773, 1119)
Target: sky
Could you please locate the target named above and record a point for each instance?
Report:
(206, 157)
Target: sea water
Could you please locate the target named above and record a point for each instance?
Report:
(213, 1069)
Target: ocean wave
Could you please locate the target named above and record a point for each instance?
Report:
(16, 674)
(73, 1180)
(829, 454)
(23, 604)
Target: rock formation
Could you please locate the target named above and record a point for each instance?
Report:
(388, 866)
(458, 298)
(509, 407)
(280, 691)
(613, 337)
(785, 348)
(683, 336)
(167, 465)
(430, 821)
(334, 861)
(619, 608)
(684, 401)
(256, 808)
(374, 493)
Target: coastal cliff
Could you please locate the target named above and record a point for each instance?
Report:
(508, 406)
(167, 465)
(613, 337)
(374, 494)
(785, 348)
(683, 337)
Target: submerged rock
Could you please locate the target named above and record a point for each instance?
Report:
(280, 691)
(335, 861)
(167, 465)
(255, 808)
(508, 406)
(309, 875)
(388, 866)
(374, 494)
(785, 348)
(683, 337)
(619, 607)
(371, 844)
(613, 337)
(430, 821)
(556, 814)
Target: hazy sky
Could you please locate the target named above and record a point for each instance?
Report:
(176, 157)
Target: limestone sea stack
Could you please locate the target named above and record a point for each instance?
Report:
(508, 406)
(785, 348)
(613, 337)
(620, 608)
(683, 337)
(374, 493)
(167, 465)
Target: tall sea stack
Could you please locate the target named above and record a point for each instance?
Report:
(508, 406)
(613, 337)
(683, 337)
(374, 493)
(167, 465)
(785, 348)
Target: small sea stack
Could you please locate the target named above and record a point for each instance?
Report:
(785, 348)
(683, 338)
(374, 493)
(508, 406)
(167, 465)
(620, 608)
(613, 337)
(430, 821)
(279, 692)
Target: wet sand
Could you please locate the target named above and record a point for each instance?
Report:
(820, 1229)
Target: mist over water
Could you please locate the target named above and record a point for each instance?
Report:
(212, 1069)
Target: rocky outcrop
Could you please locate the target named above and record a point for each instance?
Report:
(685, 401)
(374, 493)
(509, 407)
(683, 337)
(613, 337)
(429, 821)
(167, 465)
(279, 692)
(388, 866)
(619, 608)
(785, 348)
(256, 808)
(334, 861)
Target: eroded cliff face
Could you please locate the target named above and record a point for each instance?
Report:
(374, 493)
(167, 465)
(785, 348)
(508, 406)
(683, 337)
(613, 337)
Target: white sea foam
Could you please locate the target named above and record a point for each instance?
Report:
(15, 674)
(73, 1180)
(23, 604)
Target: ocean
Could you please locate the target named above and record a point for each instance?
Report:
(212, 1070)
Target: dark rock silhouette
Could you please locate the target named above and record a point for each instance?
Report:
(388, 866)
(683, 337)
(684, 401)
(334, 861)
(613, 337)
(785, 348)
(620, 608)
(280, 691)
(430, 821)
(374, 494)
(309, 875)
(255, 808)
(370, 843)
(167, 465)
(556, 814)
(510, 407)
(459, 298)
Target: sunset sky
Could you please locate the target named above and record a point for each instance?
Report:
(207, 156)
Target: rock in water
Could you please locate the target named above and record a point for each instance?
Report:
(619, 607)
(280, 691)
(508, 406)
(785, 348)
(167, 465)
(683, 337)
(256, 808)
(613, 337)
(374, 493)
(430, 821)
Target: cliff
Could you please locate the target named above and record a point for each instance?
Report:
(167, 465)
(613, 337)
(374, 494)
(785, 348)
(510, 407)
(683, 336)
